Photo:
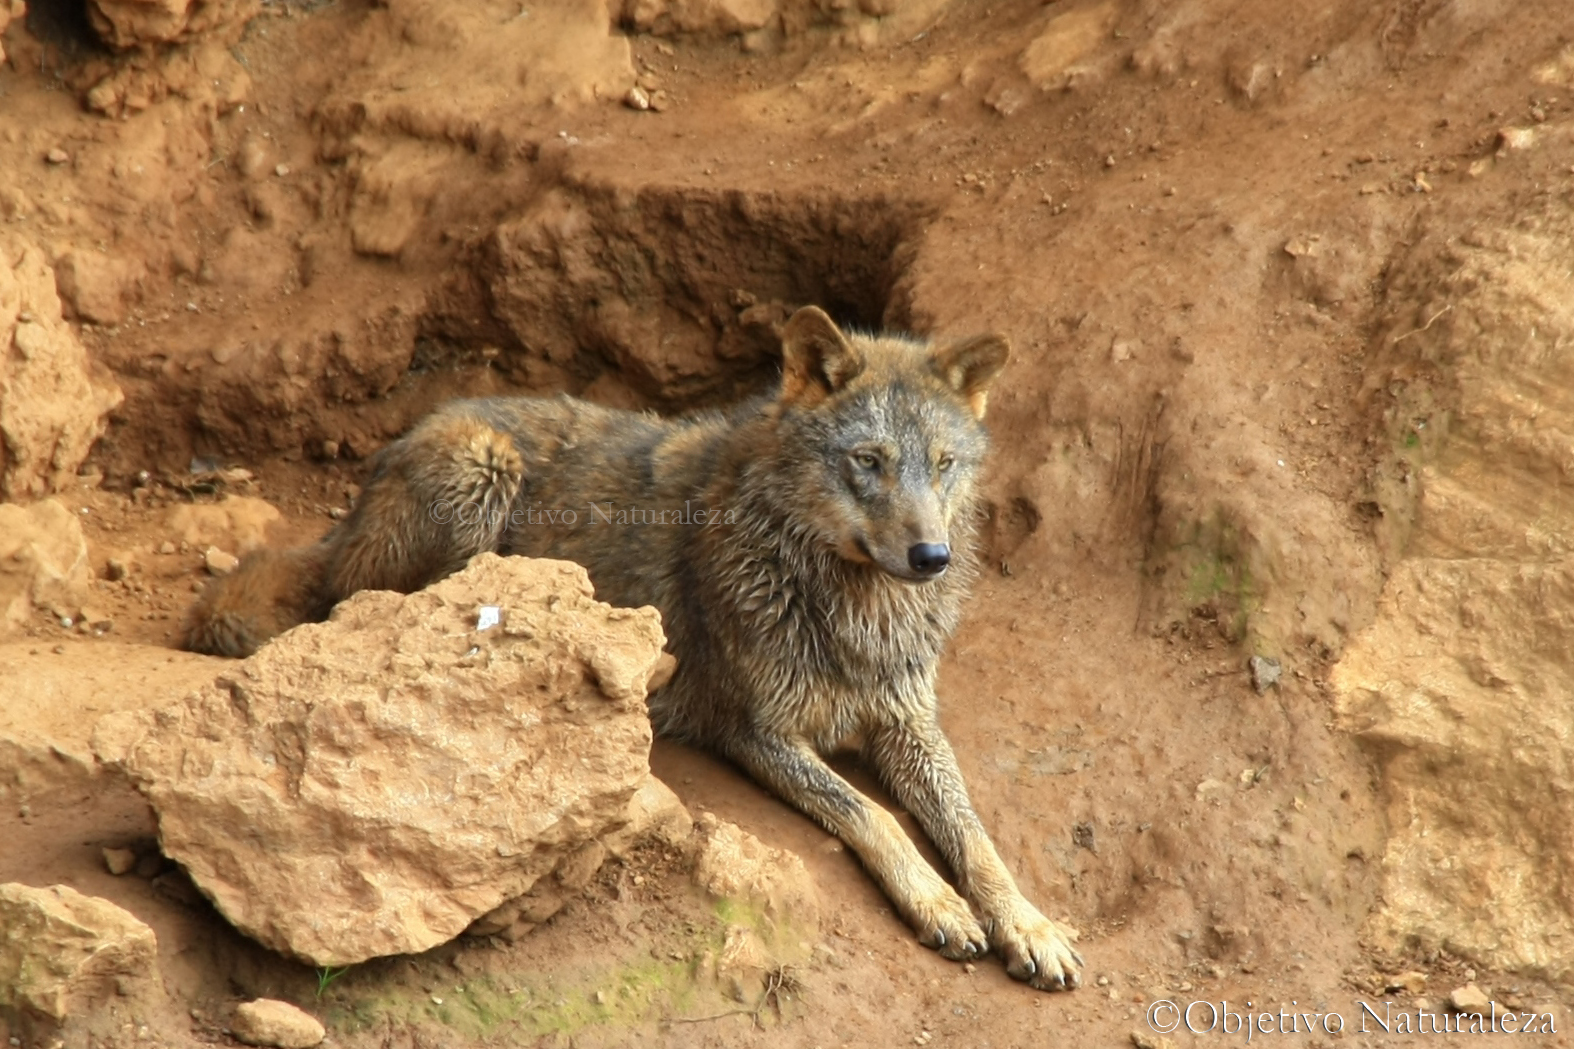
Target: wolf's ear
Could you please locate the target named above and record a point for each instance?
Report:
(817, 359)
(970, 365)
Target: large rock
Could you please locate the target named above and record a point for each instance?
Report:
(1461, 686)
(53, 403)
(70, 960)
(373, 784)
(10, 11)
(43, 562)
(126, 24)
(94, 285)
(45, 749)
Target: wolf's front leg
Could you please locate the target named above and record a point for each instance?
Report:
(919, 768)
(796, 774)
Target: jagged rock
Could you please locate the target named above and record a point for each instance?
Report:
(94, 285)
(1459, 688)
(414, 771)
(1469, 999)
(270, 1022)
(655, 813)
(45, 752)
(53, 402)
(43, 562)
(126, 24)
(69, 959)
(730, 863)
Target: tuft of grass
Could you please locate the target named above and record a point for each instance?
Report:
(326, 974)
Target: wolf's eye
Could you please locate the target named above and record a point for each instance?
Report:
(867, 460)
(945, 463)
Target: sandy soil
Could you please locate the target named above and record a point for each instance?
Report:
(1182, 215)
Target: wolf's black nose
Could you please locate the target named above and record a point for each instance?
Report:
(929, 558)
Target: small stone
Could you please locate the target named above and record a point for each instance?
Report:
(1265, 672)
(119, 861)
(1410, 980)
(166, 547)
(1469, 999)
(330, 449)
(1103, 981)
(116, 569)
(281, 170)
(969, 968)
(1144, 1040)
(637, 98)
(270, 1022)
(1109, 161)
(220, 562)
(57, 156)
(601, 997)
(660, 101)
(1513, 139)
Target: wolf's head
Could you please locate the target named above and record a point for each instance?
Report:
(883, 439)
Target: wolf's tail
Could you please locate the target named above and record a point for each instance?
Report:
(271, 591)
(437, 497)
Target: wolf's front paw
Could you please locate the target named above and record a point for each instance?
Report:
(1037, 949)
(945, 922)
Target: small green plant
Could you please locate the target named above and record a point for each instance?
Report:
(326, 974)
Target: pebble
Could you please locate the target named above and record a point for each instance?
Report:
(220, 562)
(1469, 999)
(269, 1022)
(637, 98)
(1515, 138)
(119, 861)
(1265, 672)
(1410, 980)
(166, 547)
(660, 101)
(57, 156)
(1144, 1040)
(282, 170)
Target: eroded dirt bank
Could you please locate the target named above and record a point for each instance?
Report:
(1288, 297)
